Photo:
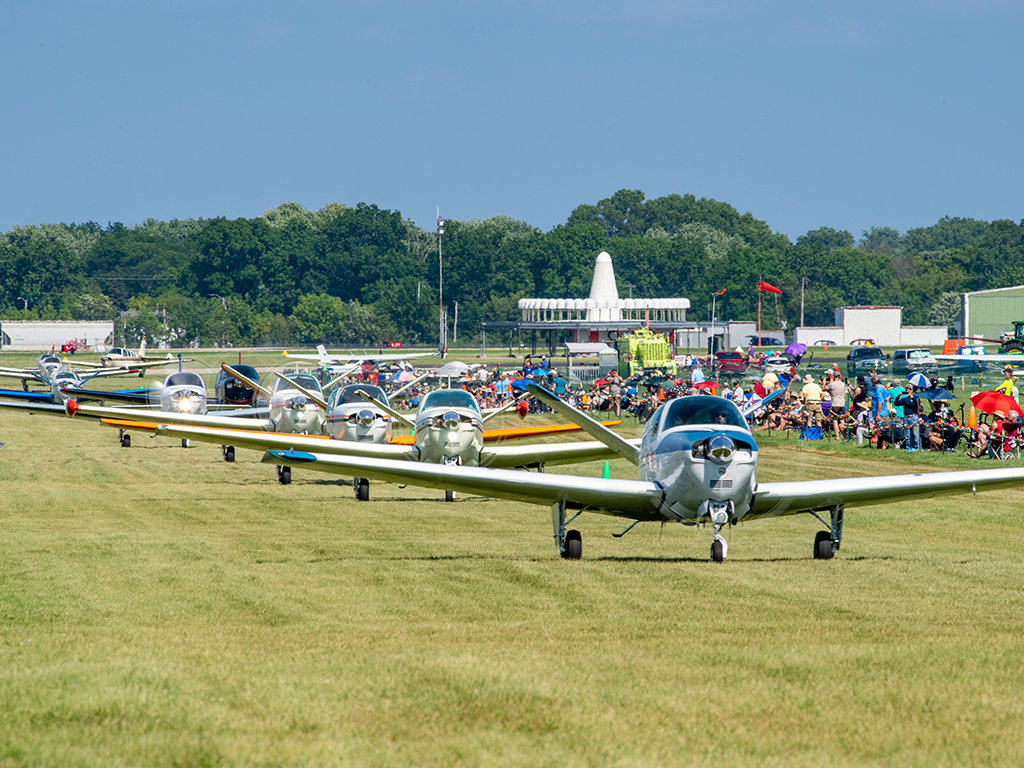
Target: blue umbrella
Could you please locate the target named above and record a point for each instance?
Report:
(935, 394)
(919, 380)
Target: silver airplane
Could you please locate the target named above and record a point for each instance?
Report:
(447, 429)
(697, 463)
(345, 363)
(49, 366)
(120, 357)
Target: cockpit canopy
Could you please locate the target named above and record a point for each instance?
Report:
(449, 398)
(185, 379)
(350, 395)
(701, 410)
(304, 380)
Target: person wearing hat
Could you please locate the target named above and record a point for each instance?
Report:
(836, 390)
(1007, 385)
(811, 394)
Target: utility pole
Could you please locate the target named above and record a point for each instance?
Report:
(440, 286)
(803, 282)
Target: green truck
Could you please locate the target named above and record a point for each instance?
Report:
(644, 349)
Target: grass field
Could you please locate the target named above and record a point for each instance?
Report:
(160, 607)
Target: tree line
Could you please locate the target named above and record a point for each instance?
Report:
(363, 275)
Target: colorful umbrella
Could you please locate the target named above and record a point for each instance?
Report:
(996, 402)
(919, 380)
(796, 349)
(707, 385)
(935, 394)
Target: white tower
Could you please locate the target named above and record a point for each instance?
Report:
(603, 290)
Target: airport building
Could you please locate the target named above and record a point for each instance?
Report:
(881, 325)
(986, 314)
(44, 335)
(601, 317)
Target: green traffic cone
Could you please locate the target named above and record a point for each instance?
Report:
(606, 472)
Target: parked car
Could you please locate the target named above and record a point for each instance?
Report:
(825, 343)
(860, 360)
(906, 360)
(780, 363)
(765, 341)
(730, 362)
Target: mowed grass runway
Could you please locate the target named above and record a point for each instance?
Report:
(160, 607)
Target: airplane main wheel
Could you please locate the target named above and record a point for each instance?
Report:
(185, 443)
(823, 545)
(363, 490)
(449, 495)
(717, 551)
(284, 475)
(229, 453)
(126, 441)
(573, 545)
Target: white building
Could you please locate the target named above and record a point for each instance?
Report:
(604, 304)
(882, 325)
(42, 335)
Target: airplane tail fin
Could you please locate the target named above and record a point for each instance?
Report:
(322, 351)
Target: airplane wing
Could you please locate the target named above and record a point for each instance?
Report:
(592, 427)
(315, 397)
(32, 397)
(634, 499)
(241, 377)
(260, 440)
(400, 418)
(17, 373)
(166, 417)
(790, 498)
(639, 500)
(49, 409)
(122, 371)
(508, 456)
(136, 397)
(326, 357)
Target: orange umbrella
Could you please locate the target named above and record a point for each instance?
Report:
(707, 385)
(996, 402)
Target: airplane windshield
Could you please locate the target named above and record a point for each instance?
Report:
(350, 394)
(185, 379)
(449, 398)
(304, 380)
(701, 410)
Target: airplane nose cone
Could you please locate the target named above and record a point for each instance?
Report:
(366, 418)
(451, 420)
(720, 448)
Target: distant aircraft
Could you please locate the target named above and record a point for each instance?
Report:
(344, 364)
(119, 357)
(65, 385)
(48, 367)
(697, 463)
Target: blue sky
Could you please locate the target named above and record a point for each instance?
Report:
(806, 114)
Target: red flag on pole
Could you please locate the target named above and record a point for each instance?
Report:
(767, 287)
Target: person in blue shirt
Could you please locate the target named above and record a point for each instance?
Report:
(561, 385)
(879, 401)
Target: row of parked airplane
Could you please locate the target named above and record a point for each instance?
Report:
(696, 462)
